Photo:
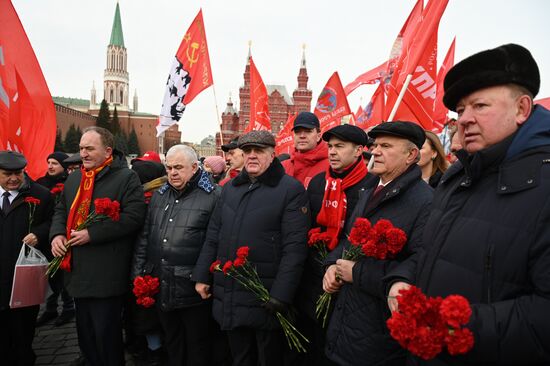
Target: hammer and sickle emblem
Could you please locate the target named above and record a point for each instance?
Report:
(194, 57)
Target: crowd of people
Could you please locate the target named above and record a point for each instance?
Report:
(475, 225)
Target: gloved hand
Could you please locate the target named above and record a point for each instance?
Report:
(273, 306)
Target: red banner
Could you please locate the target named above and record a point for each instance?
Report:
(27, 113)
(370, 77)
(440, 111)
(332, 103)
(373, 114)
(259, 111)
(189, 75)
(545, 102)
(284, 142)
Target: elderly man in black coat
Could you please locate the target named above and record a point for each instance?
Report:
(17, 325)
(488, 236)
(357, 333)
(99, 272)
(266, 210)
(168, 248)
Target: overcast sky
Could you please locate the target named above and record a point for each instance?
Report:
(70, 39)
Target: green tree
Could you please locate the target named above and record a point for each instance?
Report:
(115, 124)
(58, 141)
(133, 145)
(121, 142)
(103, 116)
(72, 139)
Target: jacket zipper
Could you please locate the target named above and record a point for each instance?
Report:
(488, 269)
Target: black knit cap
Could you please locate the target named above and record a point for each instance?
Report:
(58, 155)
(403, 129)
(12, 160)
(507, 64)
(347, 133)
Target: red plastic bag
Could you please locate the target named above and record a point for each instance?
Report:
(29, 279)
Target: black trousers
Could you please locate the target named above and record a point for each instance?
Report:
(16, 335)
(188, 335)
(58, 288)
(99, 329)
(253, 347)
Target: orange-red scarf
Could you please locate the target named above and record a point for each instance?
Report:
(80, 208)
(334, 205)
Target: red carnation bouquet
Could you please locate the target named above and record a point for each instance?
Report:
(32, 202)
(104, 208)
(56, 191)
(320, 241)
(425, 325)
(381, 241)
(145, 287)
(244, 273)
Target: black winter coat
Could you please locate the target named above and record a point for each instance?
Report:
(172, 238)
(357, 332)
(311, 286)
(101, 268)
(271, 216)
(488, 239)
(14, 226)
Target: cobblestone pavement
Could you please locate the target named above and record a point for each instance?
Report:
(59, 345)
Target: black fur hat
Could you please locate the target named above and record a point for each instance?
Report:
(507, 64)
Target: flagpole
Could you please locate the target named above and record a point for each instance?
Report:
(400, 97)
(218, 118)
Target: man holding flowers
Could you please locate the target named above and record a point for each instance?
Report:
(357, 333)
(97, 258)
(266, 210)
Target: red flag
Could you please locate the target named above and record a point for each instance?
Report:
(369, 77)
(189, 75)
(259, 111)
(332, 103)
(27, 113)
(285, 138)
(373, 114)
(545, 102)
(440, 111)
(419, 60)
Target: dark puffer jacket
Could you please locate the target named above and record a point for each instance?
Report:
(14, 226)
(488, 239)
(172, 238)
(271, 216)
(357, 332)
(101, 268)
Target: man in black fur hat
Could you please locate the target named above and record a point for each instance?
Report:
(488, 237)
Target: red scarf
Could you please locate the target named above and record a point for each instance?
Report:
(80, 208)
(333, 209)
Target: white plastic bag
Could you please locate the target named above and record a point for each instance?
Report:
(29, 279)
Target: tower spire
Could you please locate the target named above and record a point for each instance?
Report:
(117, 38)
(303, 62)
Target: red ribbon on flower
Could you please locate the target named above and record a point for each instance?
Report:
(426, 325)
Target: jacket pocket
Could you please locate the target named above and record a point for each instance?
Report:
(182, 286)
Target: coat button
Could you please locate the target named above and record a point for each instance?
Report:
(177, 201)
(529, 181)
(339, 307)
(164, 240)
(170, 220)
(503, 188)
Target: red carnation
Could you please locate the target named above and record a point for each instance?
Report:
(239, 262)
(360, 231)
(102, 205)
(32, 200)
(412, 302)
(395, 240)
(145, 301)
(114, 211)
(455, 311)
(242, 252)
(312, 236)
(424, 345)
(459, 341)
(226, 267)
(215, 265)
(57, 189)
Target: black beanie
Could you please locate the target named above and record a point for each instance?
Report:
(58, 155)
